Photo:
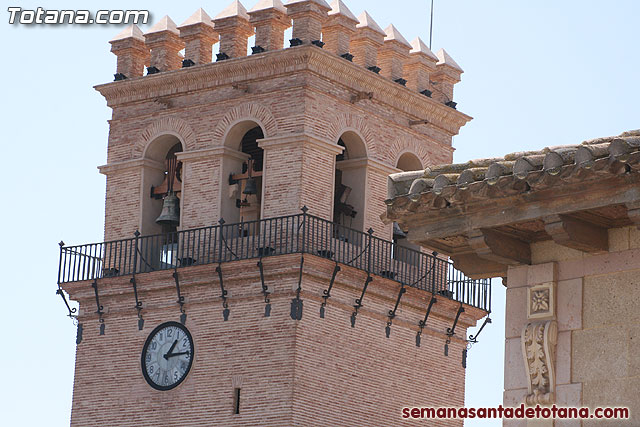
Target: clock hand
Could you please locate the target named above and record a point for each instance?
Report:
(168, 354)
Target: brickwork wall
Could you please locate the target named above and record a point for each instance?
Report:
(203, 183)
(122, 212)
(287, 104)
(309, 372)
(294, 373)
(318, 169)
(376, 186)
(282, 177)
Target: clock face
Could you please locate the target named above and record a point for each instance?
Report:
(167, 356)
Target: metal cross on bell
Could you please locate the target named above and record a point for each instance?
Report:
(170, 214)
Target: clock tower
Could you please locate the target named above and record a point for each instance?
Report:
(245, 277)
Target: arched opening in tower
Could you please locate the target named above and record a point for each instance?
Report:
(349, 203)
(243, 164)
(407, 162)
(170, 191)
(162, 186)
(250, 194)
(162, 194)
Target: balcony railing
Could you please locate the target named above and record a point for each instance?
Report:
(302, 233)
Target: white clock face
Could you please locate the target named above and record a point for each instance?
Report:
(167, 356)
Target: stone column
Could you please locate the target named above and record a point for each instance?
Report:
(207, 194)
(128, 185)
(131, 51)
(271, 20)
(377, 173)
(298, 170)
(199, 36)
(164, 41)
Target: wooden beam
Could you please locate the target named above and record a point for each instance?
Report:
(577, 234)
(496, 212)
(478, 268)
(499, 247)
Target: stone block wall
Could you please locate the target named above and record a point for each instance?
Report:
(597, 320)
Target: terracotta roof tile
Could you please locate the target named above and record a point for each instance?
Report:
(520, 171)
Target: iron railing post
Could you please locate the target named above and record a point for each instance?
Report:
(302, 247)
(220, 241)
(369, 249)
(135, 252)
(60, 270)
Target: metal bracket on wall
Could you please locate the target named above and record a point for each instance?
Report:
(71, 310)
(474, 338)
(423, 322)
(359, 300)
(296, 303)
(392, 313)
(183, 315)
(265, 291)
(138, 306)
(225, 305)
(452, 330)
(100, 311)
(327, 292)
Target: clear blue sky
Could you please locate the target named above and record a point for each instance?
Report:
(536, 74)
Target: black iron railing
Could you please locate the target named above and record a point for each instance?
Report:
(302, 233)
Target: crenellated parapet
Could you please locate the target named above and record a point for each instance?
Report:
(393, 54)
(308, 17)
(333, 28)
(270, 19)
(164, 41)
(366, 42)
(338, 30)
(131, 51)
(419, 66)
(447, 74)
(199, 37)
(235, 29)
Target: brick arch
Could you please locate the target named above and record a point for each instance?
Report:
(165, 126)
(408, 145)
(350, 122)
(250, 112)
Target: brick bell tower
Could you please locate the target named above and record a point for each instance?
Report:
(246, 277)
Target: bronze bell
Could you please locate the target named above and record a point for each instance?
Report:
(170, 214)
(250, 187)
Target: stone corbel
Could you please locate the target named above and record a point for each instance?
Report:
(499, 248)
(577, 234)
(478, 268)
(538, 348)
(633, 212)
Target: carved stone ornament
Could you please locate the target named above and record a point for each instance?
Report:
(540, 301)
(539, 350)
